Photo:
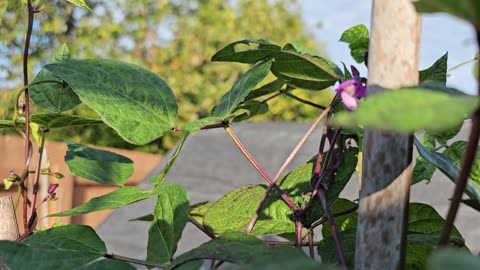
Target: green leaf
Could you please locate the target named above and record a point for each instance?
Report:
(464, 9)
(101, 166)
(347, 73)
(447, 167)
(443, 137)
(161, 176)
(223, 215)
(81, 3)
(437, 72)
(304, 70)
(64, 247)
(294, 263)
(134, 101)
(241, 88)
(107, 264)
(198, 210)
(276, 217)
(453, 259)
(423, 218)
(357, 38)
(58, 120)
(239, 248)
(113, 200)
(423, 169)
(266, 89)
(8, 124)
(409, 110)
(344, 222)
(326, 248)
(252, 108)
(148, 218)
(196, 125)
(246, 51)
(170, 218)
(53, 96)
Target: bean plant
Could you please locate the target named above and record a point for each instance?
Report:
(293, 205)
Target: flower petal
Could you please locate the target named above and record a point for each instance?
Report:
(351, 103)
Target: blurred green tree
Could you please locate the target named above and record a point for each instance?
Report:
(174, 39)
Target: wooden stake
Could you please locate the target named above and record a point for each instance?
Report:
(8, 223)
(387, 169)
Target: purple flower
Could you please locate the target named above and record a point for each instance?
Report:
(52, 188)
(351, 91)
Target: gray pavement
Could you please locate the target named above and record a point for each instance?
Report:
(210, 166)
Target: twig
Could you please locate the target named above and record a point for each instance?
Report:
(27, 111)
(304, 101)
(294, 152)
(333, 227)
(338, 214)
(257, 166)
(200, 227)
(462, 179)
(37, 171)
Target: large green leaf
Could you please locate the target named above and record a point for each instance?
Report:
(357, 38)
(170, 217)
(409, 110)
(465, 9)
(437, 72)
(287, 263)
(453, 259)
(134, 101)
(64, 247)
(116, 199)
(423, 218)
(196, 125)
(344, 222)
(198, 210)
(53, 96)
(246, 51)
(241, 88)
(304, 70)
(238, 248)
(101, 166)
(447, 166)
(266, 89)
(423, 169)
(58, 120)
(276, 217)
(250, 108)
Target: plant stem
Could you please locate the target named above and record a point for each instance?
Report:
(37, 171)
(132, 260)
(285, 243)
(27, 110)
(462, 179)
(338, 214)
(200, 227)
(310, 245)
(294, 152)
(333, 227)
(304, 101)
(257, 166)
(298, 232)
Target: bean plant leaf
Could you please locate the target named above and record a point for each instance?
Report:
(423, 169)
(437, 72)
(238, 248)
(54, 96)
(449, 259)
(101, 166)
(247, 51)
(59, 120)
(161, 176)
(170, 217)
(64, 247)
(252, 108)
(133, 101)
(447, 166)
(7, 124)
(81, 3)
(304, 70)
(295, 263)
(345, 222)
(443, 137)
(464, 9)
(241, 88)
(198, 210)
(409, 110)
(196, 125)
(276, 217)
(107, 264)
(266, 89)
(113, 200)
(357, 38)
(348, 74)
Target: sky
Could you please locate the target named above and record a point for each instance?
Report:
(440, 33)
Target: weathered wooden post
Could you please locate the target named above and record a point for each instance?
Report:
(8, 223)
(387, 169)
